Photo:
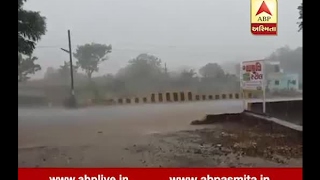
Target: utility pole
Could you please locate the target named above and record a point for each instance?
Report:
(72, 100)
(71, 65)
(165, 68)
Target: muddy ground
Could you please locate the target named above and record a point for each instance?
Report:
(217, 145)
(222, 145)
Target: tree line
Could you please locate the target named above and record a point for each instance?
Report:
(144, 74)
(32, 26)
(147, 73)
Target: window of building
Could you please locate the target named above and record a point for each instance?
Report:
(276, 82)
(293, 82)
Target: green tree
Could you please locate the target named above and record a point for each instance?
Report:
(211, 70)
(64, 70)
(186, 78)
(89, 57)
(290, 59)
(143, 66)
(144, 73)
(187, 75)
(31, 26)
(300, 8)
(27, 66)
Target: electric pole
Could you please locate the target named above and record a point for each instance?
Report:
(72, 97)
(71, 64)
(165, 68)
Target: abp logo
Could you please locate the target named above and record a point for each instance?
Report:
(264, 17)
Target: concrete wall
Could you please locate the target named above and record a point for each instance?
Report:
(169, 97)
(286, 110)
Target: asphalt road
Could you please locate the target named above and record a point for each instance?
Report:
(50, 126)
(39, 125)
(100, 136)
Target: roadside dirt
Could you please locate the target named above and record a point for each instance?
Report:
(222, 145)
(217, 145)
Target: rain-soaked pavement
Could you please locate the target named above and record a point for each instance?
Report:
(140, 135)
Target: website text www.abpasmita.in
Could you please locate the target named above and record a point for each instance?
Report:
(207, 177)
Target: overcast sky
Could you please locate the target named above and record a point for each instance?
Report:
(183, 33)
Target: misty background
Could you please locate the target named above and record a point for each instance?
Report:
(186, 35)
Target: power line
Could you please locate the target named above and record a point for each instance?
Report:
(47, 47)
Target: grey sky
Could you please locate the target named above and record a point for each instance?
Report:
(183, 33)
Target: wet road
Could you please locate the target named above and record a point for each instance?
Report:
(53, 126)
(100, 136)
(56, 125)
(44, 115)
